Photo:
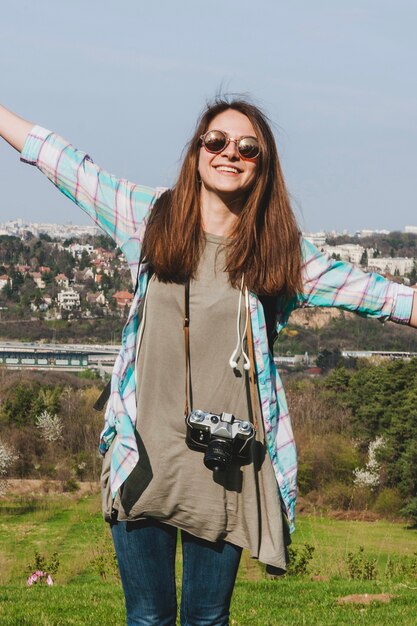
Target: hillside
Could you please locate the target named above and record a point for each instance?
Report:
(314, 330)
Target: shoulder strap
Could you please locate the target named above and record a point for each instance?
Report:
(188, 402)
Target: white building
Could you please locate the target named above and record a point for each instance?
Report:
(317, 239)
(411, 229)
(388, 265)
(69, 299)
(368, 232)
(351, 252)
(4, 280)
(77, 249)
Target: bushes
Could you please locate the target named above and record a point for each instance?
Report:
(97, 330)
(360, 566)
(337, 418)
(410, 510)
(300, 559)
(388, 502)
(338, 495)
(331, 458)
(67, 439)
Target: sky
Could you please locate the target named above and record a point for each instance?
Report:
(125, 81)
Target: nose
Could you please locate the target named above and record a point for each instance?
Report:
(231, 150)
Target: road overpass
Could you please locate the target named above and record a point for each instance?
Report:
(54, 356)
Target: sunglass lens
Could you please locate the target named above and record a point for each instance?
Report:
(249, 147)
(215, 141)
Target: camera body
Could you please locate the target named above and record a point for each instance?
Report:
(222, 438)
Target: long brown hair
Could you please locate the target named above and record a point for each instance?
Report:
(264, 244)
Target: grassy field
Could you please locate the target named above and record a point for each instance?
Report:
(87, 590)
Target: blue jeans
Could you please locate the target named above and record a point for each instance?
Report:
(146, 556)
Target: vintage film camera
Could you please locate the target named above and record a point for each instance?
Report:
(222, 437)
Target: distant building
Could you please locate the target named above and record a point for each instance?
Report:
(388, 265)
(94, 298)
(317, 239)
(77, 249)
(122, 298)
(62, 280)
(69, 299)
(86, 274)
(4, 280)
(369, 232)
(37, 277)
(106, 255)
(411, 229)
(351, 252)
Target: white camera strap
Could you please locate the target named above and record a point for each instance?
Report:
(251, 371)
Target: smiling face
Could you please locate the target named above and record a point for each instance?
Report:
(227, 174)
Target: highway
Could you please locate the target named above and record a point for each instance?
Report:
(75, 357)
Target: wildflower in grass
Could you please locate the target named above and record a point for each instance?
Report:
(43, 570)
(38, 577)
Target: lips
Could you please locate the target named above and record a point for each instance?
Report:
(229, 169)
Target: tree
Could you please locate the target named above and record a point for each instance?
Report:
(327, 359)
(7, 458)
(105, 242)
(364, 258)
(85, 260)
(412, 276)
(16, 407)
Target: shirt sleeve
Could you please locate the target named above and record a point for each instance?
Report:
(327, 282)
(116, 205)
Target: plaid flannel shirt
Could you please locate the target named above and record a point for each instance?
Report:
(121, 208)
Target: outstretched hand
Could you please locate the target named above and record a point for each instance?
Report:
(14, 129)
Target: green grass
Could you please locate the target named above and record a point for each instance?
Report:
(73, 528)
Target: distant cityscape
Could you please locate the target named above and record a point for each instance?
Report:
(369, 258)
(51, 272)
(21, 228)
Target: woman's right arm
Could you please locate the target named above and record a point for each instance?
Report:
(119, 207)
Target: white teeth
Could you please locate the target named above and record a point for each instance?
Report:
(225, 168)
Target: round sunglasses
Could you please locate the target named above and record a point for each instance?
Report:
(215, 141)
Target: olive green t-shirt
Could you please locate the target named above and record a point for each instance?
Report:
(170, 482)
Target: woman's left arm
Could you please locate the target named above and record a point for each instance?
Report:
(328, 282)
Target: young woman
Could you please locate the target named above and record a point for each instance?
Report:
(197, 434)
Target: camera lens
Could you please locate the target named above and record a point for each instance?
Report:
(218, 454)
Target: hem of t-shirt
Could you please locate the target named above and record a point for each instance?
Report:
(33, 144)
(401, 313)
(239, 542)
